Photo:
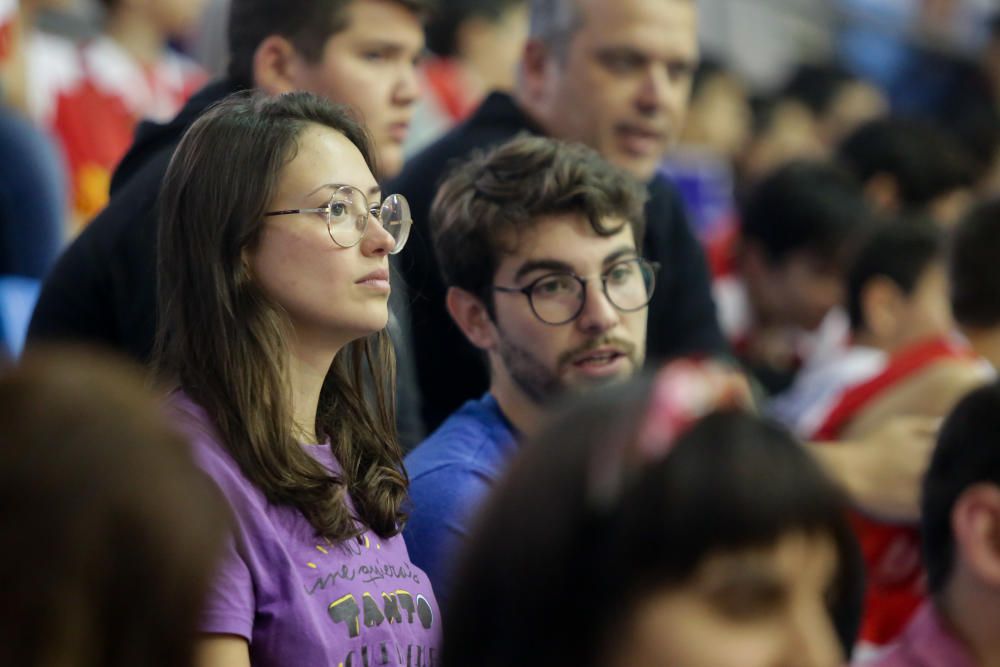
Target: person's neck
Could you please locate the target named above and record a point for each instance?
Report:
(474, 86)
(307, 369)
(864, 338)
(137, 35)
(533, 111)
(971, 608)
(524, 414)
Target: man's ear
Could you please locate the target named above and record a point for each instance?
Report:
(880, 301)
(277, 66)
(535, 63)
(471, 316)
(975, 523)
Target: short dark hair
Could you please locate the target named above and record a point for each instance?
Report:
(804, 206)
(816, 85)
(444, 22)
(485, 204)
(900, 250)
(925, 160)
(966, 454)
(307, 24)
(111, 533)
(973, 262)
(732, 482)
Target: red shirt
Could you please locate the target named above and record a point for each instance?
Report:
(894, 568)
(92, 98)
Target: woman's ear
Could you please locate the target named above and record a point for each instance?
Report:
(472, 317)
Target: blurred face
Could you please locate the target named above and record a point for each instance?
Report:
(760, 608)
(798, 291)
(623, 85)
(602, 345)
(790, 135)
(371, 66)
(331, 294)
(720, 118)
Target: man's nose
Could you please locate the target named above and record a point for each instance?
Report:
(598, 314)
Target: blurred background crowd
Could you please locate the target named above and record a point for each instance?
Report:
(901, 92)
(838, 171)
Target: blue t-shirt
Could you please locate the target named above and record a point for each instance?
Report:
(450, 474)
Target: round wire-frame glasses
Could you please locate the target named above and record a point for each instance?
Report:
(559, 297)
(348, 211)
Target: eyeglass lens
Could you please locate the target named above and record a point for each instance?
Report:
(559, 297)
(349, 213)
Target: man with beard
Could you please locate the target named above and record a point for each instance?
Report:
(614, 75)
(538, 242)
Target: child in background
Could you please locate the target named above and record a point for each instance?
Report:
(92, 98)
(904, 360)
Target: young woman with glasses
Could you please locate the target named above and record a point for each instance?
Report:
(274, 283)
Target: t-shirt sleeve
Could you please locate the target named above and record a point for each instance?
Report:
(229, 607)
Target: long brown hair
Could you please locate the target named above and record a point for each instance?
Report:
(222, 340)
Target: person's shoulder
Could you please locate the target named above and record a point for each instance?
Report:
(469, 441)
(663, 194)
(53, 68)
(207, 449)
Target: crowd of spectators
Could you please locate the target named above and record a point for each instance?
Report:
(496, 332)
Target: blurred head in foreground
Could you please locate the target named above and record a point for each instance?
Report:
(657, 523)
(109, 531)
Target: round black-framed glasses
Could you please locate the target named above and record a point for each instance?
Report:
(559, 297)
(348, 211)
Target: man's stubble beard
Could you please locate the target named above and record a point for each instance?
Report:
(543, 385)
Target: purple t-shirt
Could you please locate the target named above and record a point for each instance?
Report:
(299, 599)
